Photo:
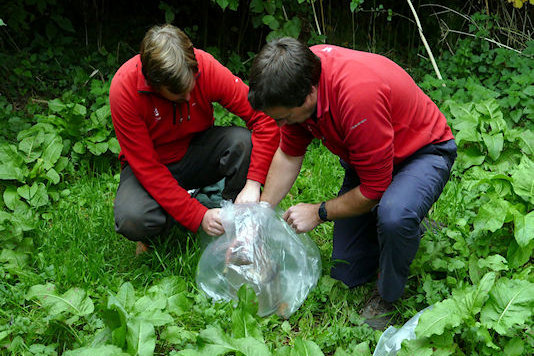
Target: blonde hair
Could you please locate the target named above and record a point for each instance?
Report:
(168, 59)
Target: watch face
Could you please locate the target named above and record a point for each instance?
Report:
(323, 215)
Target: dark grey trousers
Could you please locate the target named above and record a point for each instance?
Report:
(387, 238)
(217, 153)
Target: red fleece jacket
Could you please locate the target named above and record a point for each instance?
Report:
(370, 113)
(154, 132)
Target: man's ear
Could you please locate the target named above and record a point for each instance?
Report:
(312, 96)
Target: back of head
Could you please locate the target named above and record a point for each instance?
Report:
(282, 74)
(168, 59)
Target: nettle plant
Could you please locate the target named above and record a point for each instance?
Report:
(35, 162)
(480, 261)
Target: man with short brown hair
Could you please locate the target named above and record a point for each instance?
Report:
(161, 107)
(393, 142)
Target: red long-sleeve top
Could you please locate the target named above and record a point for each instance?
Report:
(370, 113)
(154, 132)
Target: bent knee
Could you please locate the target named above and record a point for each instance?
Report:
(139, 227)
(397, 222)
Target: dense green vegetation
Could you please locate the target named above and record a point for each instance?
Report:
(70, 285)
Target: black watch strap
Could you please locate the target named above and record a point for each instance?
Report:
(323, 215)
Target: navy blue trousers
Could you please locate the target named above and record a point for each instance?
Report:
(387, 238)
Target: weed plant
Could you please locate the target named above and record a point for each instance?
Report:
(70, 285)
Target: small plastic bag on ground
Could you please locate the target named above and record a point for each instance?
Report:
(390, 341)
(261, 250)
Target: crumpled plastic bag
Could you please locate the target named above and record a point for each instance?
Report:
(259, 249)
(390, 341)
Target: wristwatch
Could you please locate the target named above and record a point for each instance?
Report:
(323, 215)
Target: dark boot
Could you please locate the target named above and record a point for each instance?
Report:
(377, 312)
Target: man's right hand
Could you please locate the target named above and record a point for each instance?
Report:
(211, 223)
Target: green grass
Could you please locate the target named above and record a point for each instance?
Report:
(78, 247)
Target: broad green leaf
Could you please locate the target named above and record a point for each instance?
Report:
(101, 116)
(156, 317)
(442, 316)
(517, 255)
(282, 351)
(61, 164)
(522, 181)
(31, 144)
(256, 6)
(526, 142)
(471, 156)
(115, 304)
(17, 260)
(248, 301)
(4, 334)
(178, 335)
(141, 337)
(494, 143)
(11, 197)
(113, 145)
(103, 350)
(35, 194)
(251, 346)
(478, 294)
(469, 135)
(516, 346)
(75, 300)
(126, 296)
(524, 228)
(79, 110)
(2, 23)
(491, 215)
(245, 325)
(510, 304)
(52, 176)
(292, 27)
(150, 302)
(222, 3)
(26, 191)
(52, 152)
(12, 166)
(494, 262)
(271, 21)
(79, 148)
(529, 90)
(56, 105)
(97, 148)
(169, 286)
(98, 136)
(491, 109)
(8, 172)
(306, 348)
(419, 347)
(474, 270)
(362, 349)
(247, 345)
(464, 116)
(178, 304)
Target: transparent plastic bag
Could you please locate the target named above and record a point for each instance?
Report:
(261, 250)
(390, 341)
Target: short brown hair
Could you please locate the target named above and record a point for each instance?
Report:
(283, 74)
(168, 59)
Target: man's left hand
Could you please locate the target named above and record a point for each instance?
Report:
(302, 217)
(250, 193)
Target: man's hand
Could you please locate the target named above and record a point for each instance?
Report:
(250, 193)
(302, 217)
(211, 223)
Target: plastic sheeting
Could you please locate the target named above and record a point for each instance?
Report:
(259, 249)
